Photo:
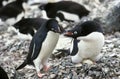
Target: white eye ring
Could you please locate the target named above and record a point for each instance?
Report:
(75, 32)
(52, 28)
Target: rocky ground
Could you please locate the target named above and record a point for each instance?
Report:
(14, 49)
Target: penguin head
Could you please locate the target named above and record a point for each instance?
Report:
(42, 7)
(49, 8)
(84, 29)
(53, 25)
(24, 27)
(21, 27)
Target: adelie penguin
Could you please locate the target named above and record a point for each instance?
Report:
(42, 45)
(65, 10)
(91, 39)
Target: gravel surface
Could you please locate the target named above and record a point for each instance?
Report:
(13, 51)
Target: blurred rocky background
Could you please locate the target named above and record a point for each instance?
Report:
(14, 47)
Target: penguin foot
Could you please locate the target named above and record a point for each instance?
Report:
(40, 75)
(46, 68)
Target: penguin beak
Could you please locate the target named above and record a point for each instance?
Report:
(68, 34)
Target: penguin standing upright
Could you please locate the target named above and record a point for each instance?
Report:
(91, 39)
(42, 45)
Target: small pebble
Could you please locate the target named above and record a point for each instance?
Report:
(52, 76)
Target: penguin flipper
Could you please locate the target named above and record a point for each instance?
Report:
(35, 46)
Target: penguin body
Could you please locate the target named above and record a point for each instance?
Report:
(42, 45)
(53, 9)
(89, 47)
(91, 39)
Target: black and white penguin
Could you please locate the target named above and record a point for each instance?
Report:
(91, 42)
(12, 9)
(3, 74)
(72, 9)
(29, 25)
(42, 45)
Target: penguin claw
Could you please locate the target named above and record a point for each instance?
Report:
(40, 75)
(46, 68)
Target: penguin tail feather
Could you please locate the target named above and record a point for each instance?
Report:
(22, 65)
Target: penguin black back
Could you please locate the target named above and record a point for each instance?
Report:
(3, 74)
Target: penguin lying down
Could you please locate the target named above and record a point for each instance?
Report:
(91, 42)
(42, 45)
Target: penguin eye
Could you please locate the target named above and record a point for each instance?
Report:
(75, 32)
(52, 29)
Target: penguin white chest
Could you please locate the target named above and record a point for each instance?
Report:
(88, 50)
(91, 47)
(48, 45)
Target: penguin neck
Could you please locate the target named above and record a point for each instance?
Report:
(74, 48)
(44, 29)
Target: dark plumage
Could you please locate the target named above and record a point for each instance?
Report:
(12, 9)
(66, 6)
(3, 74)
(28, 25)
